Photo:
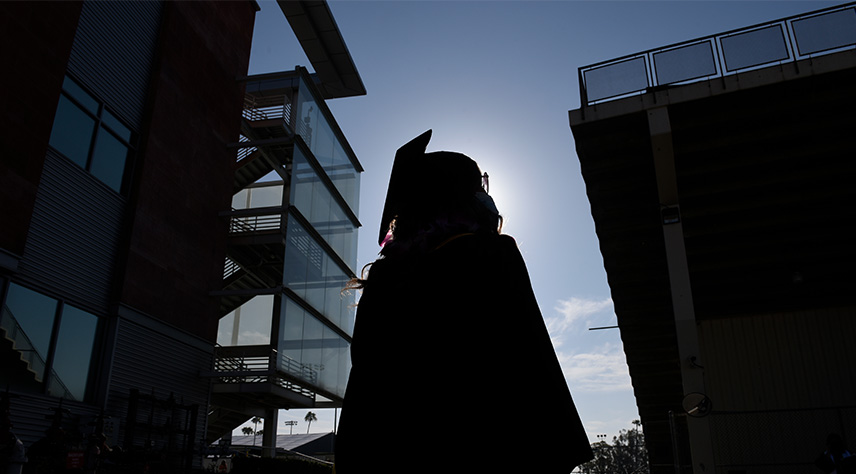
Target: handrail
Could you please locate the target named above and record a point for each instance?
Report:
(261, 363)
(244, 152)
(640, 70)
(255, 219)
(267, 108)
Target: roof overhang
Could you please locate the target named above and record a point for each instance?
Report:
(336, 74)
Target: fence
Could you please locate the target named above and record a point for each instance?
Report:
(786, 40)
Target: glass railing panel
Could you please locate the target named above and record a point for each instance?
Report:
(825, 32)
(616, 79)
(788, 39)
(685, 63)
(754, 48)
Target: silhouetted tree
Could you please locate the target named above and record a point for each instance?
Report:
(309, 418)
(626, 455)
(256, 420)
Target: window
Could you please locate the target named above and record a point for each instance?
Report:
(47, 346)
(85, 132)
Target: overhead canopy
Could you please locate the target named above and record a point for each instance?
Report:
(336, 74)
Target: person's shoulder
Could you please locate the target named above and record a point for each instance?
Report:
(507, 240)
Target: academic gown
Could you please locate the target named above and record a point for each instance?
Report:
(453, 369)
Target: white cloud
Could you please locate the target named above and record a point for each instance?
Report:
(573, 311)
(601, 368)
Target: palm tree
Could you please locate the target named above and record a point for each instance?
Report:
(309, 418)
(256, 420)
(247, 430)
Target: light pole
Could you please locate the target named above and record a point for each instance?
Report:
(290, 425)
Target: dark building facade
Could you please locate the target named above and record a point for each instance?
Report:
(719, 173)
(117, 172)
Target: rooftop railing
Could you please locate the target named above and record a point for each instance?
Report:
(776, 42)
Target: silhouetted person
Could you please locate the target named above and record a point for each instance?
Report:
(836, 459)
(450, 350)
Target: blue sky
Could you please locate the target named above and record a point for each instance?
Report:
(495, 79)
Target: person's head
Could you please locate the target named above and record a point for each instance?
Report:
(435, 195)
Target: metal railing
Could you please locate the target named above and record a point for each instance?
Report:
(255, 220)
(245, 151)
(776, 42)
(262, 364)
(267, 108)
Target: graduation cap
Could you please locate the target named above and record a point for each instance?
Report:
(420, 181)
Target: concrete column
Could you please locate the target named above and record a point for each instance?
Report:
(269, 436)
(686, 328)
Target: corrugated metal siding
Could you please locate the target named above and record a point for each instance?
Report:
(779, 384)
(113, 52)
(157, 364)
(784, 360)
(73, 235)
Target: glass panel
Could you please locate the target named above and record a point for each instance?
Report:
(315, 277)
(347, 180)
(74, 348)
(342, 236)
(329, 374)
(28, 319)
(315, 273)
(291, 337)
(266, 196)
(313, 199)
(321, 201)
(827, 31)
(303, 179)
(684, 63)
(226, 335)
(319, 135)
(108, 160)
(249, 325)
(86, 100)
(616, 79)
(116, 126)
(301, 252)
(307, 115)
(312, 356)
(312, 351)
(72, 131)
(335, 304)
(241, 199)
(754, 48)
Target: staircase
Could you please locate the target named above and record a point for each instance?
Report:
(20, 361)
(22, 364)
(254, 266)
